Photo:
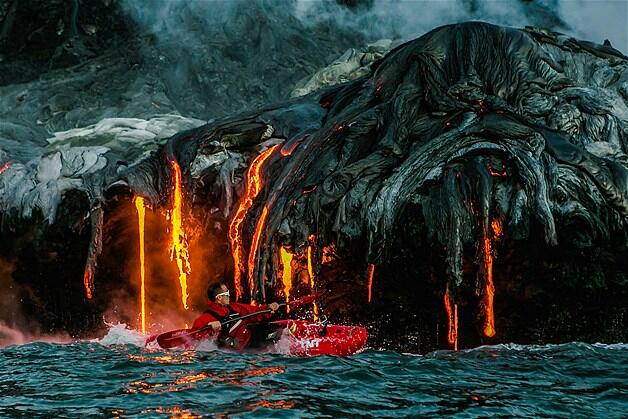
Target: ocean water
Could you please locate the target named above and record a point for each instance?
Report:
(117, 377)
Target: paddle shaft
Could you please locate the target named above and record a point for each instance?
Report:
(246, 316)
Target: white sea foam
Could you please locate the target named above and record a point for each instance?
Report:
(121, 334)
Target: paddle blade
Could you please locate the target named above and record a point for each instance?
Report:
(306, 300)
(183, 337)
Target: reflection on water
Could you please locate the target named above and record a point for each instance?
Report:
(184, 357)
(91, 380)
(152, 384)
(276, 404)
(173, 412)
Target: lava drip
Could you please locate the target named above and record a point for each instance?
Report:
(253, 253)
(286, 275)
(489, 290)
(310, 272)
(94, 250)
(88, 280)
(253, 187)
(370, 281)
(452, 317)
(497, 228)
(178, 238)
(141, 212)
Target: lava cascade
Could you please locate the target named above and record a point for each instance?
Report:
(178, 238)
(286, 276)
(452, 318)
(253, 187)
(370, 282)
(310, 272)
(141, 212)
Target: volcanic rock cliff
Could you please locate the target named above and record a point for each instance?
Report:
(471, 187)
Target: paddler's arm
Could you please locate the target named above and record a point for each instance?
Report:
(206, 319)
(244, 309)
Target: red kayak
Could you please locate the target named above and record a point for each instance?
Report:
(296, 337)
(311, 339)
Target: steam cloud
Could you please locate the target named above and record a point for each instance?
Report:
(592, 20)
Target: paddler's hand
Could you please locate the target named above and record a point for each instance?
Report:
(273, 307)
(215, 325)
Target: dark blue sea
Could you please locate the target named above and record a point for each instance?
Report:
(114, 377)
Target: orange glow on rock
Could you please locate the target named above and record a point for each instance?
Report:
(141, 212)
(496, 173)
(452, 317)
(286, 275)
(370, 283)
(288, 150)
(253, 187)
(329, 253)
(178, 238)
(253, 253)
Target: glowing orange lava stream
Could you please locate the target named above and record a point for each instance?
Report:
(141, 212)
(253, 187)
(310, 272)
(286, 276)
(452, 317)
(370, 283)
(489, 292)
(253, 253)
(87, 282)
(497, 228)
(178, 239)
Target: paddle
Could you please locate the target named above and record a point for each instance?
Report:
(182, 337)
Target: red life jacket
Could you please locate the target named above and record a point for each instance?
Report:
(235, 335)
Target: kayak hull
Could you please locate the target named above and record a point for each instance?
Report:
(305, 338)
(297, 338)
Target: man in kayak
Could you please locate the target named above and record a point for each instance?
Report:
(237, 335)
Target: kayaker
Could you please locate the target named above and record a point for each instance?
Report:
(237, 335)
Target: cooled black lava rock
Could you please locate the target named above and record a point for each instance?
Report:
(470, 134)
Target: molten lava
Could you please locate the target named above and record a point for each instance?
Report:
(178, 239)
(370, 283)
(253, 187)
(88, 278)
(489, 291)
(253, 253)
(496, 224)
(141, 212)
(452, 317)
(310, 272)
(286, 276)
